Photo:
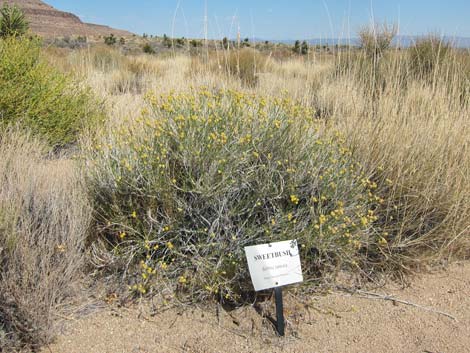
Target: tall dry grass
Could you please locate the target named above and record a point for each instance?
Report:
(44, 218)
(412, 132)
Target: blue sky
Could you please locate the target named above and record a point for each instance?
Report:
(273, 19)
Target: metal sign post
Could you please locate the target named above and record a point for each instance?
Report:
(275, 265)
(279, 311)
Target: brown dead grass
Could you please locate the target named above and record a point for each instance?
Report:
(44, 219)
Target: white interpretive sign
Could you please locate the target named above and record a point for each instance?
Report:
(274, 265)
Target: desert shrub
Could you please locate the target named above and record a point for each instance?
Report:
(134, 74)
(428, 55)
(375, 40)
(126, 81)
(110, 40)
(374, 66)
(296, 49)
(143, 65)
(182, 189)
(373, 76)
(66, 42)
(180, 42)
(42, 99)
(105, 59)
(245, 64)
(195, 43)
(225, 43)
(148, 49)
(12, 21)
(305, 48)
(44, 218)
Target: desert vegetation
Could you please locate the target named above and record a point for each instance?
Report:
(156, 170)
(12, 21)
(44, 218)
(35, 95)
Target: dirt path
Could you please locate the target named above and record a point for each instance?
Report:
(337, 322)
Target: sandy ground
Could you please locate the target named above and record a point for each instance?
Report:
(337, 322)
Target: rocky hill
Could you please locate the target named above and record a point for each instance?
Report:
(49, 22)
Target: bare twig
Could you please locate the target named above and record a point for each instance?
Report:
(64, 317)
(376, 296)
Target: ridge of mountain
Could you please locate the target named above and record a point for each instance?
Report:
(49, 22)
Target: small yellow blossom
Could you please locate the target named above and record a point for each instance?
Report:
(294, 199)
(364, 221)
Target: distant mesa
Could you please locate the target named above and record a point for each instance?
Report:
(49, 22)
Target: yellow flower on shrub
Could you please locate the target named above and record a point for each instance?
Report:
(294, 199)
(241, 167)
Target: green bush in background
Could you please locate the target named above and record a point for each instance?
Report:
(39, 97)
(148, 49)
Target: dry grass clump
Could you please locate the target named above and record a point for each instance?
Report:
(301, 78)
(120, 74)
(109, 68)
(428, 56)
(44, 219)
(418, 147)
(244, 65)
(412, 133)
(182, 189)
